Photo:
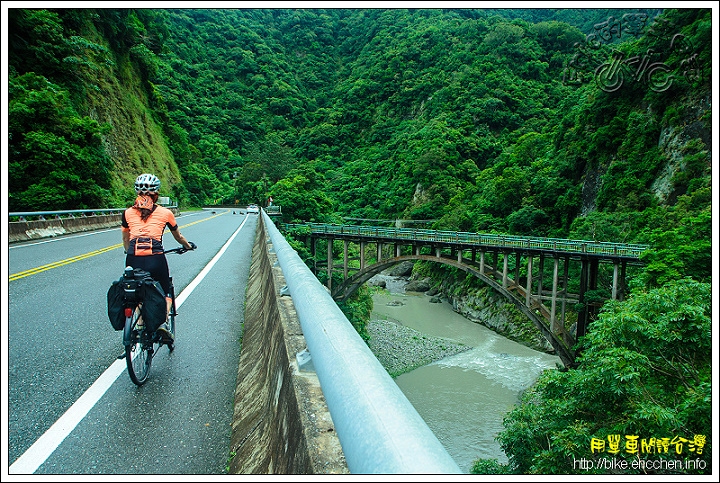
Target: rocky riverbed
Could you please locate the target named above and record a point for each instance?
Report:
(401, 349)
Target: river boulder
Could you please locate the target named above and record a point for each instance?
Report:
(402, 269)
(417, 286)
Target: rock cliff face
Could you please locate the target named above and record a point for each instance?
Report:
(676, 142)
(484, 307)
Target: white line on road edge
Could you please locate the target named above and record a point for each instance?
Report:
(188, 290)
(41, 450)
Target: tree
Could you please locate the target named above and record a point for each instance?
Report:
(300, 196)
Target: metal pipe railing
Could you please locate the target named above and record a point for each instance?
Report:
(379, 429)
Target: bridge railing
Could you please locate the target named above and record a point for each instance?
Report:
(379, 429)
(44, 215)
(479, 239)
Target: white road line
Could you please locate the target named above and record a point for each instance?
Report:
(188, 290)
(41, 450)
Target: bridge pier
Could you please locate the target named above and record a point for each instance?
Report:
(505, 270)
(541, 271)
(329, 262)
(618, 284)
(345, 258)
(553, 322)
(588, 281)
(311, 243)
(564, 291)
(615, 280)
(528, 284)
(363, 244)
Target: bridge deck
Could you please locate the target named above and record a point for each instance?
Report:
(558, 246)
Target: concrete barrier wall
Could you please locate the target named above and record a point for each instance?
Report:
(281, 423)
(35, 229)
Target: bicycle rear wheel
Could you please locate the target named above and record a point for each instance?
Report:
(139, 350)
(171, 317)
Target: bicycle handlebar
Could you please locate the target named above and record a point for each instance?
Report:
(181, 250)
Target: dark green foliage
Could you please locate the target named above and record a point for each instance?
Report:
(681, 239)
(302, 196)
(644, 371)
(490, 467)
(357, 309)
(56, 156)
(37, 43)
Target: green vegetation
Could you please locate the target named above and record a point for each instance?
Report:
(494, 120)
(645, 371)
(358, 307)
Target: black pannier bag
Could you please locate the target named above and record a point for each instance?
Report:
(116, 304)
(136, 285)
(154, 308)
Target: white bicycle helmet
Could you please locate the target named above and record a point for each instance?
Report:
(147, 183)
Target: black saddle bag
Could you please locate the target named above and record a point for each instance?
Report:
(116, 304)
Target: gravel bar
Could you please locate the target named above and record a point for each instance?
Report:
(401, 349)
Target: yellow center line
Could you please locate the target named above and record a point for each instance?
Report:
(33, 271)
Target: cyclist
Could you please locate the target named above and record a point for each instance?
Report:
(142, 230)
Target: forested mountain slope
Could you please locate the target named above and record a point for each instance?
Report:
(482, 120)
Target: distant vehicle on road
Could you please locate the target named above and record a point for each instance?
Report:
(253, 209)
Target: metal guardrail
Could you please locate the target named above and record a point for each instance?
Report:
(274, 210)
(41, 215)
(479, 239)
(379, 429)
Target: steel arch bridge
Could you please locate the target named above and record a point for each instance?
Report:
(482, 256)
(561, 343)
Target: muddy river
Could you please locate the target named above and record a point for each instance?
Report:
(464, 397)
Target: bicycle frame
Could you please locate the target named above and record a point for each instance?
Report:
(141, 346)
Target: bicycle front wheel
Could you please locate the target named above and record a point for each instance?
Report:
(139, 351)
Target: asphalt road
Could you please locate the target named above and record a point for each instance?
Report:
(71, 406)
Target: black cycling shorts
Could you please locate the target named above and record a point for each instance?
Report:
(155, 264)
